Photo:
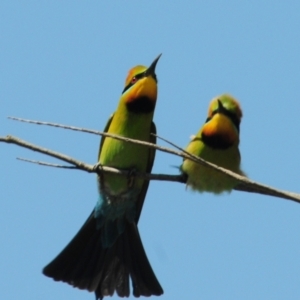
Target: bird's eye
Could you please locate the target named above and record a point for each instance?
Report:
(133, 80)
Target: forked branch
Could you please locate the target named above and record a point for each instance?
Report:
(245, 184)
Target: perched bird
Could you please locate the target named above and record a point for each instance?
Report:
(217, 142)
(108, 251)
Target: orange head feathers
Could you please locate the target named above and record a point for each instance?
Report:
(140, 90)
(221, 129)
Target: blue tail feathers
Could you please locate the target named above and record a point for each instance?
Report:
(111, 214)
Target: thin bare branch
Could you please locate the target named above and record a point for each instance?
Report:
(114, 136)
(46, 164)
(170, 143)
(182, 154)
(98, 169)
(245, 183)
(14, 140)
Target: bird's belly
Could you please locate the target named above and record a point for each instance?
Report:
(204, 179)
(124, 156)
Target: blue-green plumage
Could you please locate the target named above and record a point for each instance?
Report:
(112, 212)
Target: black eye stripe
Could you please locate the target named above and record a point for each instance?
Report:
(130, 84)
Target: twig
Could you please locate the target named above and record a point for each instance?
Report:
(114, 136)
(171, 143)
(98, 169)
(46, 164)
(14, 140)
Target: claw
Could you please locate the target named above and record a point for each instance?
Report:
(131, 177)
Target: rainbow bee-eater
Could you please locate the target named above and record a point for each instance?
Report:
(217, 142)
(107, 251)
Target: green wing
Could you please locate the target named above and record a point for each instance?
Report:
(103, 137)
(142, 195)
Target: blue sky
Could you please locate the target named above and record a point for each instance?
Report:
(66, 62)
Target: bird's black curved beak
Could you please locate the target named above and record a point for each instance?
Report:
(151, 70)
(221, 108)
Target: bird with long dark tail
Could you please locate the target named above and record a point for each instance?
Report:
(107, 251)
